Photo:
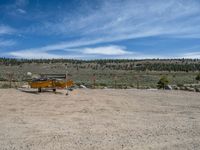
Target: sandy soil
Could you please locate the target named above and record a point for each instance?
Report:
(99, 119)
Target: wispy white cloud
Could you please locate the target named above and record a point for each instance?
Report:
(20, 6)
(132, 18)
(21, 3)
(34, 55)
(111, 51)
(107, 50)
(7, 43)
(192, 55)
(22, 11)
(45, 55)
(115, 21)
(6, 30)
(61, 46)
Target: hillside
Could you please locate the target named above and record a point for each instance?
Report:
(111, 73)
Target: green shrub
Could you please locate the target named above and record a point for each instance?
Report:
(197, 89)
(180, 84)
(198, 77)
(163, 82)
(102, 84)
(5, 86)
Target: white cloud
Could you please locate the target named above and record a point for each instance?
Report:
(132, 18)
(33, 55)
(115, 21)
(6, 30)
(109, 52)
(21, 3)
(6, 43)
(22, 11)
(192, 55)
(82, 52)
(61, 46)
(106, 50)
(44, 55)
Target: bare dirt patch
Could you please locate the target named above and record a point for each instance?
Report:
(99, 119)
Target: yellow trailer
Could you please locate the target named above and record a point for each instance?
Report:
(50, 84)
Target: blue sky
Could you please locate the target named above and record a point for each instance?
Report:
(93, 29)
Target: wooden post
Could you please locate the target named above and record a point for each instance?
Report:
(115, 81)
(66, 78)
(10, 77)
(94, 80)
(174, 78)
(66, 75)
(10, 81)
(138, 83)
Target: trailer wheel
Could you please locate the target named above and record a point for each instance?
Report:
(39, 90)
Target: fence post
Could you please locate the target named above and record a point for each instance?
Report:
(138, 83)
(10, 77)
(115, 81)
(94, 80)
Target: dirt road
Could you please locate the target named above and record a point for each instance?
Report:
(99, 119)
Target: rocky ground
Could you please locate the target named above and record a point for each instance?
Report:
(99, 119)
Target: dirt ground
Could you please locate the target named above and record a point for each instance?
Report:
(99, 120)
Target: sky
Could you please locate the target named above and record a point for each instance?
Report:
(100, 29)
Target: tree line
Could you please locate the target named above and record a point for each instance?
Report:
(116, 64)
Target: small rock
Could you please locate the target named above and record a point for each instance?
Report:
(197, 89)
(168, 87)
(83, 86)
(189, 89)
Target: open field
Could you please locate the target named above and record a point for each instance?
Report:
(114, 73)
(99, 119)
(114, 78)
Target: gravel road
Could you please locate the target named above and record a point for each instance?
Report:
(100, 120)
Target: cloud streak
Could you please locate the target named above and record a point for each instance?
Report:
(112, 21)
(107, 50)
(192, 55)
(21, 11)
(111, 50)
(6, 43)
(6, 30)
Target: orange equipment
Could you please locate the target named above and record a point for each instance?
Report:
(50, 83)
